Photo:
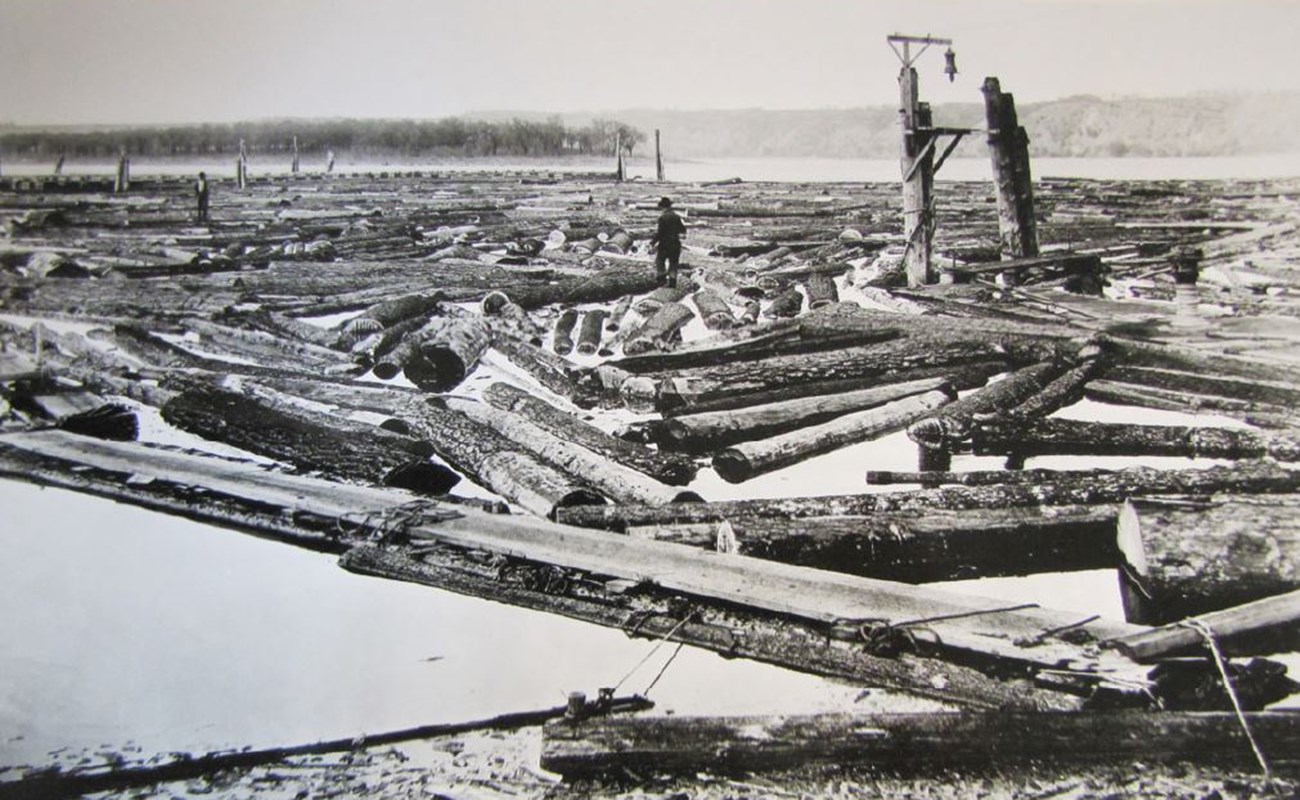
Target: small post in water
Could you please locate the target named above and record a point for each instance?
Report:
(659, 159)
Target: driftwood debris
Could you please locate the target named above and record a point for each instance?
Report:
(1062, 436)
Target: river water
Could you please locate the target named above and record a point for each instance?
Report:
(126, 629)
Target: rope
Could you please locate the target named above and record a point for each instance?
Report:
(1204, 630)
(385, 524)
(646, 692)
(885, 638)
(654, 650)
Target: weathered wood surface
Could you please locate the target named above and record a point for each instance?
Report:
(954, 422)
(658, 332)
(921, 547)
(592, 328)
(700, 432)
(562, 335)
(1268, 625)
(614, 481)
(310, 440)
(744, 460)
(979, 477)
(1062, 436)
(1189, 558)
(1129, 394)
(910, 743)
(672, 469)
(1116, 487)
(446, 351)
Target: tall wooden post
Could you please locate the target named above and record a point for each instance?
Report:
(659, 159)
(619, 173)
(122, 181)
(241, 167)
(1009, 150)
(294, 168)
(918, 180)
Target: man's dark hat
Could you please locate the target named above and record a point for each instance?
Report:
(665, 202)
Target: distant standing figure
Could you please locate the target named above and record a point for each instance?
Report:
(202, 193)
(668, 237)
(58, 165)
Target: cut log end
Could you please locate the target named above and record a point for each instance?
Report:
(114, 422)
(422, 477)
(732, 466)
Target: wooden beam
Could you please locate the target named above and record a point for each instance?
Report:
(909, 742)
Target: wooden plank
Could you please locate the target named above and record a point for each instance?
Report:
(910, 742)
(800, 592)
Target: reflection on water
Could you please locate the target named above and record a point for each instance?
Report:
(123, 625)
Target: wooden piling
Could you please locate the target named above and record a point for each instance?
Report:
(917, 162)
(659, 159)
(1009, 151)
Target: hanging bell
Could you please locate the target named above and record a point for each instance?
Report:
(950, 65)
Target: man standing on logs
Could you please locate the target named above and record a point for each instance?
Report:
(668, 238)
(201, 192)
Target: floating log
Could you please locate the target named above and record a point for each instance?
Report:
(1065, 389)
(1207, 384)
(546, 368)
(910, 743)
(447, 352)
(700, 432)
(743, 461)
(309, 440)
(750, 314)
(371, 350)
(821, 290)
(922, 547)
(614, 481)
(1189, 558)
(119, 777)
(1062, 436)
(388, 313)
(562, 339)
(616, 314)
(611, 283)
(714, 310)
(954, 423)
(1128, 394)
(960, 378)
(107, 421)
(786, 304)
(496, 462)
(887, 362)
(659, 329)
(674, 470)
(1116, 487)
(513, 319)
(590, 334)
(660, 297)
(1268, 625)
(980, 477)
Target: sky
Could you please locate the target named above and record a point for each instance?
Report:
(174, 61)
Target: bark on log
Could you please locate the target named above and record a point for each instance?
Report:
(1062, 436)
(954, 423)
(748, 459)
(1251, 477)
(1128, 394)
(660, 297)
(657, 333)
(611, 283)
(1185, 559)
(447, 352)
(616, 315)
(612, 480)
(546, 368)
(821, 290)
(386, 314)
(714, 310)
(887, 362)
(702, 432)
(922, 547)
(674, 470)
(781, 338)
(960, 378)
(1208, 384)
(593, 323)
(1066, 389)
(786, 304)
(909, 743)
(310, 441)
(562, 340)
(371, 350)
(1268, 625)
(989, 477)
(495, 462)
(513, 319)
